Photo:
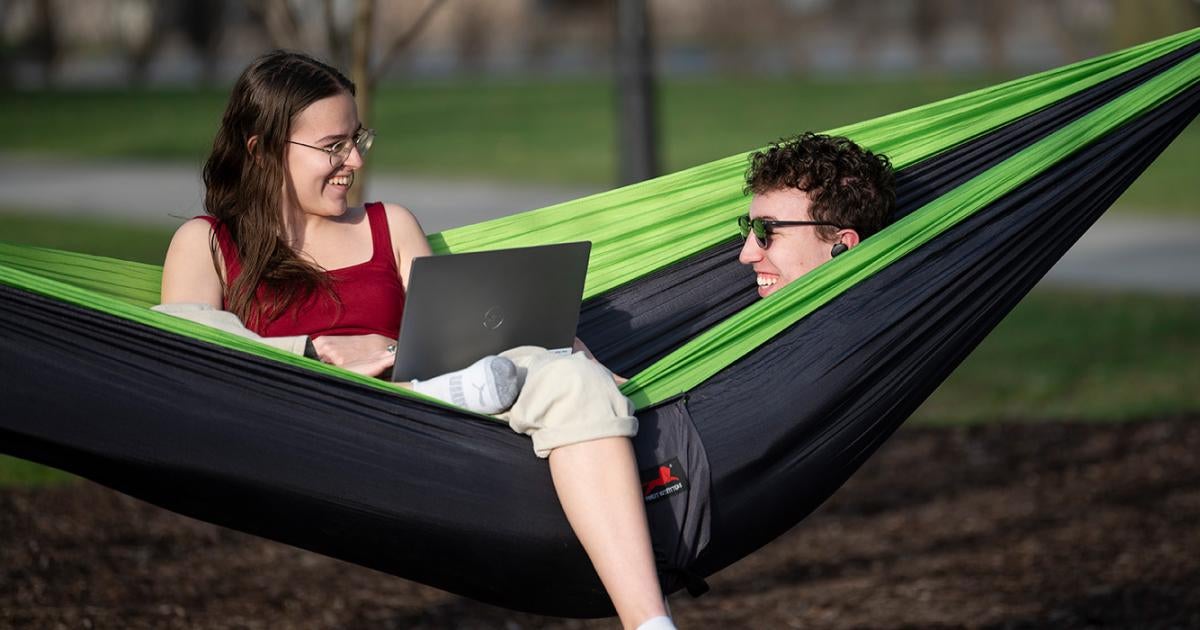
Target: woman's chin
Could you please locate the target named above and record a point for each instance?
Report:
(334, 206)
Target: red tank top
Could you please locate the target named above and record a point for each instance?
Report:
(371, 293)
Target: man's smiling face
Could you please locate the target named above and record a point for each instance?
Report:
(792, 251)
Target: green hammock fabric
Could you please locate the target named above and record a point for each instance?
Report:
(641, 228)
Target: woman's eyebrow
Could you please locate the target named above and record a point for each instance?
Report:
(341, 136)
(336, 136)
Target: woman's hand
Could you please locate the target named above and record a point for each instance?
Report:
(373, 365)
(365, 354)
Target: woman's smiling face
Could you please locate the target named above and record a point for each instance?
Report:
(311, 185)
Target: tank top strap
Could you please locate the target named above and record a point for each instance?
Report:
(381, 235)
(229, 250)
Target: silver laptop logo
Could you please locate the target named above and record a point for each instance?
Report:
(493, 318)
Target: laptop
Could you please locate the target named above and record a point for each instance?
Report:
(462, 307)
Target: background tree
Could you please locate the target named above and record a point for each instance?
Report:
(637, 131)
(144, 25)
(349, 45)
(993, 24)
(202, 23)
(6, 48)
(44, 42)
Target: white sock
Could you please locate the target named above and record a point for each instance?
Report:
(657, 623)
(489, 385)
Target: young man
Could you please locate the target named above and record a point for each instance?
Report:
(814, 197)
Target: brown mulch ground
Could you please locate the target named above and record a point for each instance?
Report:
(1004, 526)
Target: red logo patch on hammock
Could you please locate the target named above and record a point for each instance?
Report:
(663, 480)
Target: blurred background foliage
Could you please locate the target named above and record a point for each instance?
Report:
(524, 90)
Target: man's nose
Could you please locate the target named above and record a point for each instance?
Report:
(751, 252)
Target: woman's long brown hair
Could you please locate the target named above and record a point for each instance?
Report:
(244, 188)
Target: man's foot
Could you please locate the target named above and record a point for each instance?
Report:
(657, 623)
(488, 386)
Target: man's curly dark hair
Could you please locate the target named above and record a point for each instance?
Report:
(846, 184)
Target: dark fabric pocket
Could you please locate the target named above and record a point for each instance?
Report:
(675, 484)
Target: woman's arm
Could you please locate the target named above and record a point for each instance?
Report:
(191, 288)
(408, 239)
(189, 275)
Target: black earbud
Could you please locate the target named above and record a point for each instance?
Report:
(838, 250)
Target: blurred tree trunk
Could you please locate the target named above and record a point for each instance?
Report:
(283, 27)
(404, 40)
(279, 22)
(202, 22)
(44, 41)
(360, 74)
(866, 24)
(6, 48)
(1062, 32)
(927, 22)
(725, 38)
(471, 38)
(366, 78)
(637, 133)
(994, 23)
(140, 46)
(335, 39)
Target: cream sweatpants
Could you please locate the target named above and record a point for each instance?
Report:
(566, 399)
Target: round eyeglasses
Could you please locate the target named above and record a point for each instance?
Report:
(340, 150)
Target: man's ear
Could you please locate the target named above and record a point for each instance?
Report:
(848, 237)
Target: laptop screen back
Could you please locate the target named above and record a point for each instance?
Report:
(462, 307)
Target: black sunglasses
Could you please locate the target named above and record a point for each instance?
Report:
(763, 228)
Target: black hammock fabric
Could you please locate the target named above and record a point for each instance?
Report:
(459, 502)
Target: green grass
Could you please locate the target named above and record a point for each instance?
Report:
(1092, 357)
(89, 236)
(20, 473)
(1079, 356)
(123, 124)
(560, 132)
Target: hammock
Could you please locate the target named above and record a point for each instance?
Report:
(760, 409)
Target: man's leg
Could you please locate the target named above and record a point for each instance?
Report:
(598, 486)
(577, 418)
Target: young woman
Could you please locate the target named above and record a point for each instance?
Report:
(281, 252)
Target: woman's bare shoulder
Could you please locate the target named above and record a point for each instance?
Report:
(194, 235)
(189, 275)
(406, 231)
(401, 219)
(408, 239)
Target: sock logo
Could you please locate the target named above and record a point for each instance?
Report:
(456, 391)
(663, 480)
